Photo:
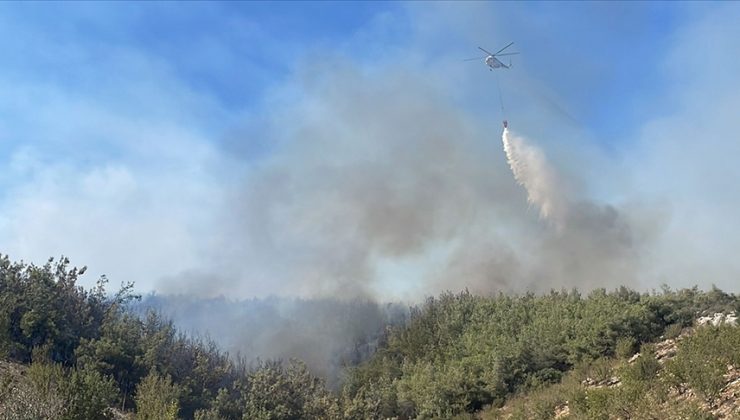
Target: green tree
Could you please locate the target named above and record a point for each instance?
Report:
(89, 395)
(117, 353)
(276, 392)
(157, 398)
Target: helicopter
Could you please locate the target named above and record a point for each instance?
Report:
(491, 59)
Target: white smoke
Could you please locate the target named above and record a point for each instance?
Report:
(531, 170)
(359, 198)
(591, 243)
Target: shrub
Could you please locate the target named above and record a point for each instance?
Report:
(37, 396)
(625, 347)
(156, 398)
(210, 414)
(278, 392)
(89, 395)
(672, 331)
(702, 359)
(644, 369)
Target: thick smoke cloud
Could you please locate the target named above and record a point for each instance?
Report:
(358, 183)
(365, 170)
(385, 170)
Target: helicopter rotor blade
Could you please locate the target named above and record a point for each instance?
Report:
(513, 53)
(503, 48)
(476, 58)
(487, 52)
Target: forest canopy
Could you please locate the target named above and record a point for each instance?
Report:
(74, 353)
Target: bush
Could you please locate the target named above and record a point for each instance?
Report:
(373, 399)
(672, 331)
(625, 347)
(702, 359)
(38, 395)
(211, 414)
(156, 398)
(598, 370)
(89, 395)
(277, 392)
(644, 369)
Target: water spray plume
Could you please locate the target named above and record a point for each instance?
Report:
(531, 170)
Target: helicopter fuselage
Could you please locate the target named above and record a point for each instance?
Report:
(494, 63)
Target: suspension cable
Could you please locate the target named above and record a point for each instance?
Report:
(500, 96)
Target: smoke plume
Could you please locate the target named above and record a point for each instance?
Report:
(362, 196)
(327, 334)
(589, 241)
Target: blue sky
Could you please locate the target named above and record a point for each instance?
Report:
(233, 52)
(130, 131)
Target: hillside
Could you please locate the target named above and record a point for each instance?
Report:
(463, 354)
(71, 353)
(693, 375)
